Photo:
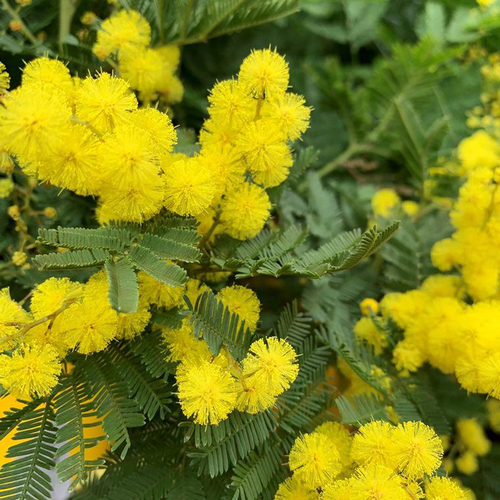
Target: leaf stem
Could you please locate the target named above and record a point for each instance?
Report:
(16, 17)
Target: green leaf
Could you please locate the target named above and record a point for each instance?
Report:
(123, 290)
(73, 407)
(25, 477)
(168, 248)
(213, 320)
(111, 400)
(72, 259)
(147, 261)
(361, 409)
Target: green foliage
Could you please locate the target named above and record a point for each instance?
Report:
(213, 320)
(26, 476)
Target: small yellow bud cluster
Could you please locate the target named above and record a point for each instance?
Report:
(386, 202)
(150, 71)
(19, 258)
(379, 461)
(6, 187)
(211, 387)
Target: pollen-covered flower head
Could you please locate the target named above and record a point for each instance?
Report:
(50, 295)
(189, 187)
(373, 444)
(265, 72)
(4, 78)
(10, 312)
(341, 438)
(184, 347)
(104, 102)
(31, 120)
(73, 162)
(417, 449)
(89, 325)
(125, 29)
(314, 460)
(253, 396)
(244, 211)
(444, 488)
(288, 113)
(273, 362)
(127, 158)
(263, 147)
(50, 73)
(230, 101)
(242, 301)
(142, 68)
(206, 392)
(377, 482)
(471, 434)
(159, 294)
(30, 372)
(384, 201)
(159, 127)
(294, 489)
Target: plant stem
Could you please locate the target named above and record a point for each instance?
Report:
(50, 317)
(16, 17)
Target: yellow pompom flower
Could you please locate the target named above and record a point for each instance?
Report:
(341, 438)
(31, 120)
(473, 437)
(253, 396)
(244, 211)
(263, 147)
(159, 294)
(104, 102)
(31, 372)
(377, 482)
(443, 488)
(133, 324)
(226, 164)
(171, 89)
(417, 449)
(125, 29)
(314, 460)
(6, 187)
(339, 490)
(368, 306)
(4, 78)
(373, 444)
(294, 489)
(135, 203)
(410, 207)
(127, 158)
(407, 356)
(90, 325)
(184, 346)
(50, 295)
(170, 56)
(10, 312)
(189, 187)
(384, 201)
(272, 362)
(467, 463)
(49, 73)
(445, 254)
(231, 102)
(206, 392)
(159, 128)
(73, 162)
(243, 302)
(288, 113)
(366, 329)
(142, 68)
(265, 72)
(478, 151)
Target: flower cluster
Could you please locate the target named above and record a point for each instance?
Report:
(88, 136)
(211, 387)
(380, 461)
(126, 35)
